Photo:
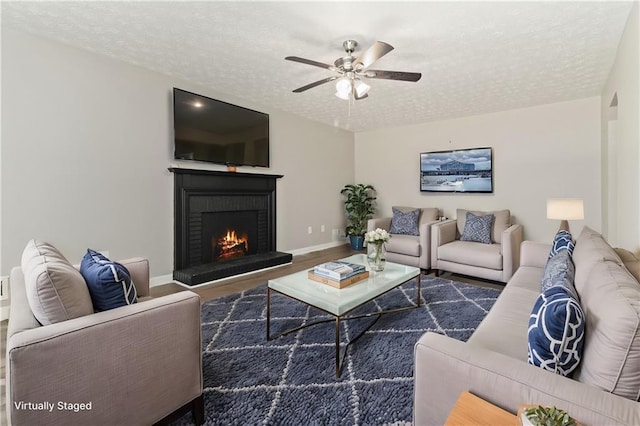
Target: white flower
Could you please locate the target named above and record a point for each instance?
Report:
(378, 235)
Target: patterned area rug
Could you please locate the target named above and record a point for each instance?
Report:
(291, 380)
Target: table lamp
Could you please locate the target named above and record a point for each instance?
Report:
(565, 209)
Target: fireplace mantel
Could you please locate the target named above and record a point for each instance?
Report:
(178, 170)
(198, 192)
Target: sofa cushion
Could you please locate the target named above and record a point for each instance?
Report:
(404, 244)
(556, 331)
(590, 249)
(559, 271)
(55, 289)
(610, 298)
(562, 241)
(630, 261)
(405, 223)
(472, 253)
(109, 282)
(477, 228)
(611, 302)
(502, 221)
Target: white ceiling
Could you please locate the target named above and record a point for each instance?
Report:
(475, 57)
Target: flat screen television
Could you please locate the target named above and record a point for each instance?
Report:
(209, 130)
(462, 170)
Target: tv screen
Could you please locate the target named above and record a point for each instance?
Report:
(463, 170)
(206, 129)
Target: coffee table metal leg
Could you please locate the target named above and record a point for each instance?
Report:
(419, 298)
(338, 363)
(268, 313)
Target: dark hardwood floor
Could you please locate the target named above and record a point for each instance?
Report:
(299, 263)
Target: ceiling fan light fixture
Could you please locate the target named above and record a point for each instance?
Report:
(343, 96)
(361, 88)
(343, 88)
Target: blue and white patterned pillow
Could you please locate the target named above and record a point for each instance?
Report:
(478, 228)
(559, 270)
(109, 283)
(556, 331)
(562, 241)
(405, 223)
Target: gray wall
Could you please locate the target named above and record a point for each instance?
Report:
(541, 152)
(86, 143)
(621, 141)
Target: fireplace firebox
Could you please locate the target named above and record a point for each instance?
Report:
(227, 235)
(224, 224)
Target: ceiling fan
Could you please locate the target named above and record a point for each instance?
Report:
(351, 70)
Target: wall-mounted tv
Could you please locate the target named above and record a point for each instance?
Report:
(209, 130)
(462, 170)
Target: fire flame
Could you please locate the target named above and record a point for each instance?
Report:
(232, 239)
(230, 245)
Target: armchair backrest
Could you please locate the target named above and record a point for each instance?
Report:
(501, 222)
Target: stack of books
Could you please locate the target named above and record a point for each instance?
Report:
(338, 274)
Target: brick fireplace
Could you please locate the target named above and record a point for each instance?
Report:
(224, 224)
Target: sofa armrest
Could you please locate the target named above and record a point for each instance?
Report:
(444, 367)
(510, 246)
(442, 233)
(380, 222)
(138, 268)
(534, 254)
(144, 359)
(425, 242)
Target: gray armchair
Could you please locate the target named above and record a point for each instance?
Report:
(412, 250)
(496, 261)
(135, 364)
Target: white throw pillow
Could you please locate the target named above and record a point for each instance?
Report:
(55, 289)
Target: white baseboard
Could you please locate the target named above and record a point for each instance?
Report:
(168, 278)
(310, 249)
(161, 280)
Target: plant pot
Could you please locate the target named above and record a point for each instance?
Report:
(357, 241)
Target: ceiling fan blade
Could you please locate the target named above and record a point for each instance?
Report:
(314, 84)
(309, 62)
(393, 75)
(361, 97)
(372, 54)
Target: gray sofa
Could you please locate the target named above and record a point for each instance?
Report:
(134, 365)
(412, 250)
(605, 388)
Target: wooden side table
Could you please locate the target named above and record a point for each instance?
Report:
(472, 410)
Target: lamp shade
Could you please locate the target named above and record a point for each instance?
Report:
(565, 209)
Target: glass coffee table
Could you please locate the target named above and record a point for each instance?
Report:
(339, 302)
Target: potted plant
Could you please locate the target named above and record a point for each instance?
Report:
(358, 204)
(546, 416)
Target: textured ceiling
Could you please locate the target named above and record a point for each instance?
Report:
(475, 57)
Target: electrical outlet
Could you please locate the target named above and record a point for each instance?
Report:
(310, 230)
(4, 288)
(321, 228)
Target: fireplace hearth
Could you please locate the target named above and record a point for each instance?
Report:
(224, 224)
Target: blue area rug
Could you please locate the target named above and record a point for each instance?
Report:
(291, 380)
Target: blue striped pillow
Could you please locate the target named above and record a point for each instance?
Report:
(109, 283)
(556, 331)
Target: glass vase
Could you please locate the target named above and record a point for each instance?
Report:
(376, 256)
